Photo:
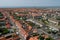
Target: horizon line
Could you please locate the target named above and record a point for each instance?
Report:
(33, 7)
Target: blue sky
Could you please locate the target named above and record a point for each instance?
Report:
(26, 3)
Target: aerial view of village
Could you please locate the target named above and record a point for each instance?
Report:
(29, 23)
(29, 19)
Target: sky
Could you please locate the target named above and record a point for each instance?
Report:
(30, 3)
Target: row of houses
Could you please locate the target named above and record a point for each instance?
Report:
(4, 23)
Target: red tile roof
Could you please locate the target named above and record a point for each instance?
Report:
(8, 25)
(34, 38)
(22, 31)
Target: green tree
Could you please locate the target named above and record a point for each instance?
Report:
(5, 31)
(58, 17)
(1, 14)
(41, 38)
(49, 38)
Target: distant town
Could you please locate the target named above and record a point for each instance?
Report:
(29, 23)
